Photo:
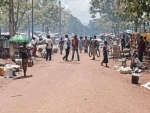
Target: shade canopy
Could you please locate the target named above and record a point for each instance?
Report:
(19, 38)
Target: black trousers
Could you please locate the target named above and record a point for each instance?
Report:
(67, 54)
(76, 52)
(86, 49)
(140, 56)
(49, 54)
(123, 46)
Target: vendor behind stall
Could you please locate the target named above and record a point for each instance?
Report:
(25, 55)
(136, 62)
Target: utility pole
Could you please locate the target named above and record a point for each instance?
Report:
(59, 18)
(29, 26)
(11, 29)
(32, 19)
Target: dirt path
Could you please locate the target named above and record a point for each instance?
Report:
(72, 87)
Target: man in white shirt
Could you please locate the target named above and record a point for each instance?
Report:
(33, 41)
(67, 47)
(49, 44)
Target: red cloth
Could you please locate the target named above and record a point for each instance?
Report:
(34, 49)
(141, 46)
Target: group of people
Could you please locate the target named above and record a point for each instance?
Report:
(141, 45)
(66, 44)
(77, 45)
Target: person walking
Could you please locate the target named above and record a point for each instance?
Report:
(61, 45)
(33, 41)
(105, 54)
(86, 44)
(81, 44)
(75, 47)
(93, 47)
(141, 48)
(67, 43)
(123, 42)
(111, 46)
(49, 44)
(25, 56)
(34, 49)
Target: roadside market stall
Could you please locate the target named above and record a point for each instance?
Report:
(4, 46)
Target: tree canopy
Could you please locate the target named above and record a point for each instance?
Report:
(122, 12)
(46, 17)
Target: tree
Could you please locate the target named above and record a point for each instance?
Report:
(134, 11)
(107, 8)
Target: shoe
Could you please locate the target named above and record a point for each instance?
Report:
(93, 58)
(101, 64)
(63, 58)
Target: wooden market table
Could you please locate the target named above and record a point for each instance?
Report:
(125, 53)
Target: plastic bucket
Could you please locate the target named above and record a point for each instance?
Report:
(135, 79)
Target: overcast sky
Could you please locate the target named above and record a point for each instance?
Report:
(79, 8)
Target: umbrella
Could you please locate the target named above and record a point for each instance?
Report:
(19, 38)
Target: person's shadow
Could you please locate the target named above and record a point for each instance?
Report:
(23, 77)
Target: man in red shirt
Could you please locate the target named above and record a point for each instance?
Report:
(75, 47)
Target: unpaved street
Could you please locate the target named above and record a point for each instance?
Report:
(72, 87)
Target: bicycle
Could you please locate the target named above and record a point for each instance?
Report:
(97, 52)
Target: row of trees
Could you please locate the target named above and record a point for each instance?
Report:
(121, 14)
(46, 17)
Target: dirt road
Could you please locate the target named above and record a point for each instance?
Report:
(72, 87)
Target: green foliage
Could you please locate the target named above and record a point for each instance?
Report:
(3, 2)
(46, 13)
(123, 11)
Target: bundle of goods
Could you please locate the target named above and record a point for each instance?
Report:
(9, 70)
(126, 70)
(18, 62)
(41, 47)
(55, 49)
(43, 53)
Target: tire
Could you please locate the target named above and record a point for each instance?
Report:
(90, 53)
(98, 53)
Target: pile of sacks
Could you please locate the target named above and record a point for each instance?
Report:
(123, 70)
(55, 48)
(41, 48)
(9, 70)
